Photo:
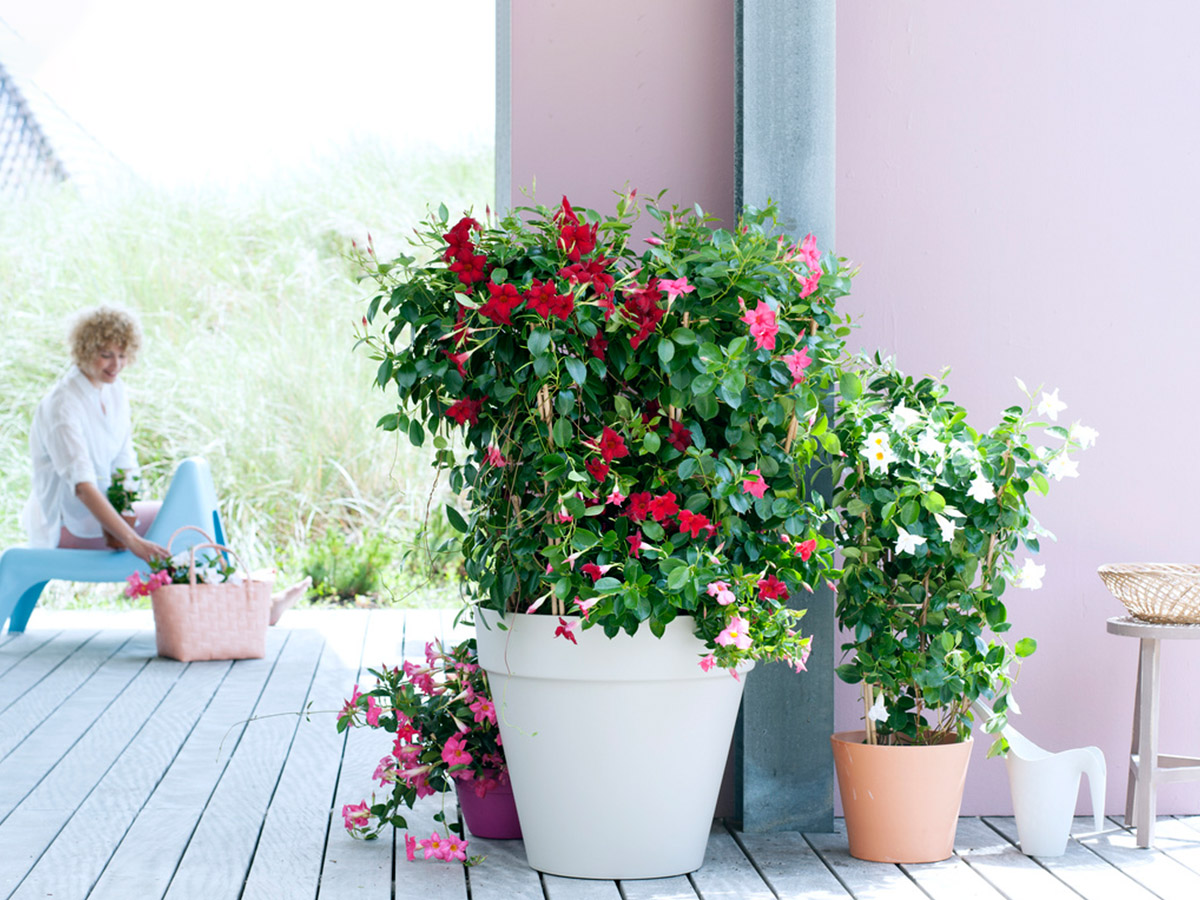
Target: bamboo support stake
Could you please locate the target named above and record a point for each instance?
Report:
(793, 427)
(869, 701)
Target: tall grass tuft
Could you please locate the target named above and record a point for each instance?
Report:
(249, 307)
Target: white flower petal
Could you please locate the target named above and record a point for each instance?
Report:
(1050, 405)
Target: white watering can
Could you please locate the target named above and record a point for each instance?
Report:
(1045, 787)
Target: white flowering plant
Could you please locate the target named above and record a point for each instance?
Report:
(934, 525)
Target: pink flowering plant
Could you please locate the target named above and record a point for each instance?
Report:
(443, 723)
(934, 524)
(638, 421)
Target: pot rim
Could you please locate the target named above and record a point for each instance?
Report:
(857, 739)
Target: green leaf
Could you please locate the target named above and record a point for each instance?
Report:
(443, 213)
(499, 275)
(666, 351)
(683, 336)
(454, 517)
(562, 432)
(607, 583)
(1025, 647)
(539, 341)
(577, 368)
(624, 407)
(416, 433)
(703, 384)
(1040, 482)
(830, 442)
(651, 442)
(933, 501)
(910, 512)
(678, 578)
(706, 406)
(850, 386)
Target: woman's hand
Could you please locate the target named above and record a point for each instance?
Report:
(115, 527)
(147, 550)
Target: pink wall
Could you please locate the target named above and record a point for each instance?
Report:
(624, 92)
(1020, 183)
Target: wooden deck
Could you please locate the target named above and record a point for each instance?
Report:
(127, 776)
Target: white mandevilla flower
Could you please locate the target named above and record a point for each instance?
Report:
(929, 444)
(1050, 405)
(907, 543)
(948, 527)
(1062, 467)
(1083, 436)
(904, 418)
(878, 711)
(1030, 576)
(981, 489)
(958, 447)
(878, 451)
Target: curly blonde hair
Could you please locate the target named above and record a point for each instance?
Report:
(95, 330)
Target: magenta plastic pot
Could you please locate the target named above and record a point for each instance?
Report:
(492, 816)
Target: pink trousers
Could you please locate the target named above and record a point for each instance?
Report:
(146, 511)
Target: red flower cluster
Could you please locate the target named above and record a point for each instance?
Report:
(502, 300)
(593, 272)
(597, 469)
(465, 410)
(639, 506)
(693, 523)
(468, 265)
(545, 300)
(611, 445)
(598, 345)
(771, 588)
(664, 506)
(681, 436)
(641, 306)
(577, 238)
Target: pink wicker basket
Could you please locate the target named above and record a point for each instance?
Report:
(198, 621)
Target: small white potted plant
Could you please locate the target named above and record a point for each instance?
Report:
(935, 524)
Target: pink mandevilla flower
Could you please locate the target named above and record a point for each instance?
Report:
(763, 327)
(356, 815)
(485, 711)
(755, 486)
(453, 752)
(495, 457)
(373, 711)
(676, 287)
(797, 361)
(708, 662)
(434, 847)
(410, 847)
(456, 848)
(566, 629)
(737, 632)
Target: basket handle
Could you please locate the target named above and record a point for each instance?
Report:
(184, 528)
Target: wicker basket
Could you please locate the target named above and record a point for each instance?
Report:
(197, 621)
(1162, 593)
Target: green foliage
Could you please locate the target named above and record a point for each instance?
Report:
(342, 570)
(613, 406)
(932, 514)
(122, 494)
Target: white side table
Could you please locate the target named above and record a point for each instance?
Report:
(1140, 799)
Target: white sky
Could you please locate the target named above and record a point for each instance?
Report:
(186, 92)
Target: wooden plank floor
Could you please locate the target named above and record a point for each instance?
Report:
(123, 775)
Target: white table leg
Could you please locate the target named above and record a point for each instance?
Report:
(1131, 786)
(1147, 781)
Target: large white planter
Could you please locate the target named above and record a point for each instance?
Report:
(615, 748)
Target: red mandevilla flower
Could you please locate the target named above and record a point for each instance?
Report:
(544, 299)
(642, 307)
(598, 345)
(692, 523)
(612, 445)
(597, 469)
(639, 506)
(771, 588)
(664, 506)
(681, 436)
(465, 410)
(502, 300)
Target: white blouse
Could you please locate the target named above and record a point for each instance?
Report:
(80, 433)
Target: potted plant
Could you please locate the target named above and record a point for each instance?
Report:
(633, 430)
(122, 494)
(932, 518)
(444, 722)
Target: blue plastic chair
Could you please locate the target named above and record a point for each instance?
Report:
(24, 571)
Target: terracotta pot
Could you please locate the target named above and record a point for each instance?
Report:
(901, 803)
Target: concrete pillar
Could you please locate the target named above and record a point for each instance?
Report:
(786, 81)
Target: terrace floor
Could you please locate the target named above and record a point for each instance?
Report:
(123, 775)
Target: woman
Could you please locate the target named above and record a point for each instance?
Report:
(81, 435)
